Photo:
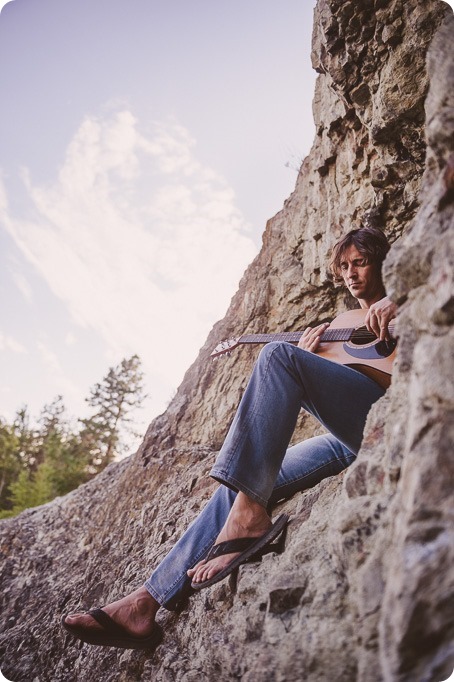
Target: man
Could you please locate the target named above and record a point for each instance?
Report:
(255, 466)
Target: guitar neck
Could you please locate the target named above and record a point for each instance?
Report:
(355, 334)
(340, 334)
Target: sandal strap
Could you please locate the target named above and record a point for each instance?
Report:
(278, 547)
(107, 623)
(229, 547)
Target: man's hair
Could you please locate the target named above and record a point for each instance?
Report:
(370, 242)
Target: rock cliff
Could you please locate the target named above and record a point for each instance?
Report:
(364, 590)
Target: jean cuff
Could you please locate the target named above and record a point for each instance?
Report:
(237, 486)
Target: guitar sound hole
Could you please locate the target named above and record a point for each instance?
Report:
(362, 336)
(385, 348)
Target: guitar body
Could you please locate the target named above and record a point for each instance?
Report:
(372, 358)
(347, 341)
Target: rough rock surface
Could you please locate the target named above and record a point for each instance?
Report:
(365, 588)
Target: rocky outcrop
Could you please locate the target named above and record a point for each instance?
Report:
(364, 587)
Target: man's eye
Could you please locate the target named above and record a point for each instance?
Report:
(344, 266)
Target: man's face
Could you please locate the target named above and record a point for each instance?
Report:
(362, 279)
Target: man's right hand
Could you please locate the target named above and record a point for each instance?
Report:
(379, 316)
(310, 339)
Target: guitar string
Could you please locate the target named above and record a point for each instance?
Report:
(330, 335)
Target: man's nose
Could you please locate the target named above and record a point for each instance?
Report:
(351, 271)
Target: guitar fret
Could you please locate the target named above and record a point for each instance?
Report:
(291, 337)
(337, 334)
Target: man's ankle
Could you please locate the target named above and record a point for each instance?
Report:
(248, 509)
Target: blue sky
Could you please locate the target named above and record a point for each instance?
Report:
(143, 146)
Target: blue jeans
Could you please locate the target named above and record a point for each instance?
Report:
(255, 457)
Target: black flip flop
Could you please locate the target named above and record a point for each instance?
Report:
(250, 548)
(112, 633)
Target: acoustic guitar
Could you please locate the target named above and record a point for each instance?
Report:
(347, 341)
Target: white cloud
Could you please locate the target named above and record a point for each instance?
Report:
(56, 377)
(23, 285)
(49, 357)
(8, 343)
(70, 339)
(142, 242)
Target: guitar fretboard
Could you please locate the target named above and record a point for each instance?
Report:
(357, 335)
(340, 334)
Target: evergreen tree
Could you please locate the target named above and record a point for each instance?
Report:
(40, 463)
(10, 462)
(31, 489)
(17, 458)
(26, 440)
(113, 398)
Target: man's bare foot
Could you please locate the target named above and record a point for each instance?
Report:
(247, 519)
(135, 613)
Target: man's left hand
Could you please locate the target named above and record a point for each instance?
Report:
(379, 316)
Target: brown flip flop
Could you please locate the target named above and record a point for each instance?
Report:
(249, 548)
(112, 634)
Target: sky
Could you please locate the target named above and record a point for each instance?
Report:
(143, 146)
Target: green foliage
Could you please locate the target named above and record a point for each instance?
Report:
(38, 464)
(113, 398)
(31, 490)
(10, 463)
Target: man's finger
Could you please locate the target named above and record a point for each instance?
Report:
(384, 332)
